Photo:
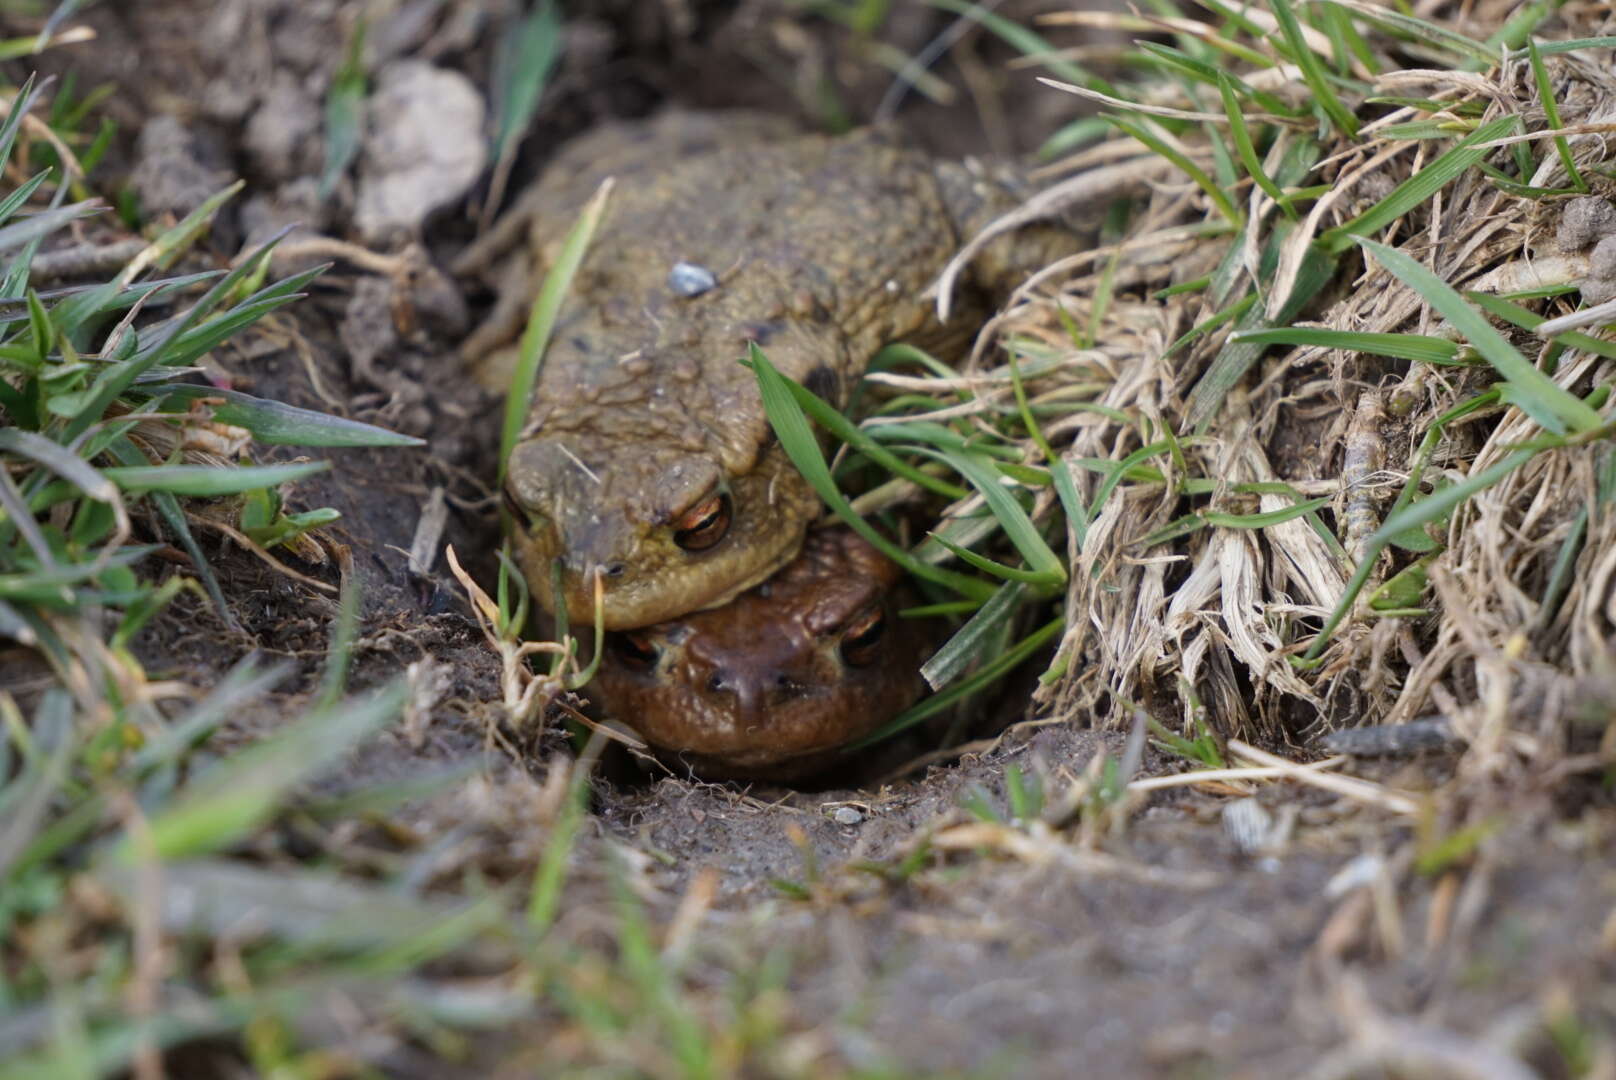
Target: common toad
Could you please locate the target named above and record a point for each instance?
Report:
(647, 456)
(772, 683)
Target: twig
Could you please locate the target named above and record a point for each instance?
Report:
(1362, 791)
(253, 546)
(1203, 776)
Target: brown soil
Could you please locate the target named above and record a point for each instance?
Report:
(1158, 948)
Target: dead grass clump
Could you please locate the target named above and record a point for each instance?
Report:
(1292, 524)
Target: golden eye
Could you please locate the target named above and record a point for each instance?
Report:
(703, 525)
(861, 640)
(636, 651)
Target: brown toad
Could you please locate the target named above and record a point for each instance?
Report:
(647, 456)
(774, 682)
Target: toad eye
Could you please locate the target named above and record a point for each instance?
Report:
(636, 651)
(703, 525)
(861, 640)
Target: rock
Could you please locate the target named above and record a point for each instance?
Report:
(1602, 262)
(424, 150)
(176, 168)
(1600, 284)
(284, 134)
(302, 37)
(228, 99)
(295, 203)
(1583, 221)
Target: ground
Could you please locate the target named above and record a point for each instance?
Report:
(1148, 936)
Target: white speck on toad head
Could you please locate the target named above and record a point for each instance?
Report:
(689, 279)
(892, 286)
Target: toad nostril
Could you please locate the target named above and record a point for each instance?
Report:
(715, 683)
(614, 569)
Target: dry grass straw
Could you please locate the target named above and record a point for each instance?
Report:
(1225, 611)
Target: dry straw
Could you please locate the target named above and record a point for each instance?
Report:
(1185, 576)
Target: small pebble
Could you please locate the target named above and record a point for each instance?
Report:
(846, 815)
(423, 148)
(1358, 872)
(1248, 824)
(687, 279)
(1583, 221)
(1602, 260)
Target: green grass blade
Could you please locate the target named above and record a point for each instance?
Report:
(239, 794)
(1418, 347)
(1241, 134)
(81, 303)
(60, 460)
(965, 646)
(1420, 187)
(242, 685)
(36, 785)
(844, 430)
(541, 321)
(522, 68)
(176, 240)
(1201, 71)
(1117, 471)
(168, 508)
(1029, 43)
(1266, 518)
(41, 586)
(1445, 501)
(1043, 579)
(108, 388)
(1414, 516)
(207, 481)
(1553, 408)
(1430, 33)
(1236, 358)
(1214, 191)
(1551, 113)
(995, 669)
(981, 474)
(544, 900)
(797, 439)
(1518, 28)
(1312, 70)
(1549, 48)
(344, 113)
(279, 424)
(1499, 308)
(25, 191)
(339, 654)
(44, 223)
(20, 106)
